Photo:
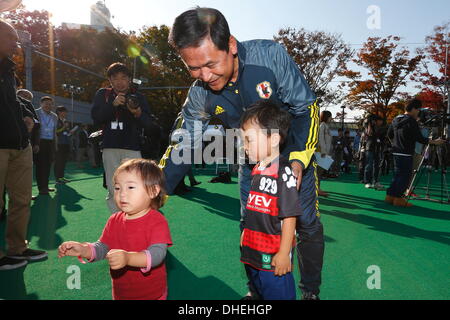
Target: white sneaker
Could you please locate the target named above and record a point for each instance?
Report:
(369, 186)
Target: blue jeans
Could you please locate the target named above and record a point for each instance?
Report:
(372, 169)
(271, 287)
(402, 176)
(310, 242)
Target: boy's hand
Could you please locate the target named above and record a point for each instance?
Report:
(282, 264)
(71, 249)
(117, 259)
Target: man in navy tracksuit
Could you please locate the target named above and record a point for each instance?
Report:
(232, 75)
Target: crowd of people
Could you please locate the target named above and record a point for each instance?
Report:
(377, 148)
(253, 86)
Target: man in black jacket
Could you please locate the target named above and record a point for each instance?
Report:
(404, 132)
(122, 120)
(16, 122)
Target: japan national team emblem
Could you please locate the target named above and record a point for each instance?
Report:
(264, 90)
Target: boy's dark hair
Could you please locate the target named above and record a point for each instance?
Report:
(193, 26)
(151, 175)
(116, 68)
(413, 104)
(46, 98)
(268, 116)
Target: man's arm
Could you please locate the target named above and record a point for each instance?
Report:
(417, 134)
(102, 112)
(295, 92)
(193, 120)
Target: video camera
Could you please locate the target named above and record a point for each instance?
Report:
(432, 118)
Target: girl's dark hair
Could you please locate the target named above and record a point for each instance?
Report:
(151, 175)
(268, 116)
(116, 68)
(325, 115)
(193, 26)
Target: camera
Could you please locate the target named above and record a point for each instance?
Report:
(132, 99)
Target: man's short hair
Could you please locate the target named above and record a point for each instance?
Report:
(61, 109)
(193, 26)
(116, 68)
(46, 98)
(413, 104)
(268, 116)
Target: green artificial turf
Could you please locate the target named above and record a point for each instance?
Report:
(410, 246)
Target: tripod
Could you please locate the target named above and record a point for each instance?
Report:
(420, 170)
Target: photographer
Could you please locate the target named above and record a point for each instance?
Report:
(404, 132)
(373, 134)
(122, 112)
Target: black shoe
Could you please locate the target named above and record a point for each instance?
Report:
(195, 183)
(8, 263)
(60, 181)
(31, 254)
(310, 296)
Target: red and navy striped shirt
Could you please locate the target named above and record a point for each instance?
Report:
(273, 196)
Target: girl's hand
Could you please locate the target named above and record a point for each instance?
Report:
(71, 249)
(117, 259)
(282, 264)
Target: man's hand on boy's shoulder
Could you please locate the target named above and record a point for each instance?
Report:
(297, 169)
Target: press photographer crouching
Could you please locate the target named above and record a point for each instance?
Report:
(404, 132)
(122, 113)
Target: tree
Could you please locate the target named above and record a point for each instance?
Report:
(164, 69)
(431, 99)
(92, 50)
(436, 51)
(320, 56)
(387, 67)
(37, 24)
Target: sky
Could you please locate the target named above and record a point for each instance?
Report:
(355, 20)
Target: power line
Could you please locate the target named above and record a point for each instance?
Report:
(68, 64)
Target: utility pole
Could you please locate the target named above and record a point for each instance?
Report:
(72, 90)
(25, 40)
(342, 118)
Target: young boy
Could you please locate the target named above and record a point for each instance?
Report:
(272, 205)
